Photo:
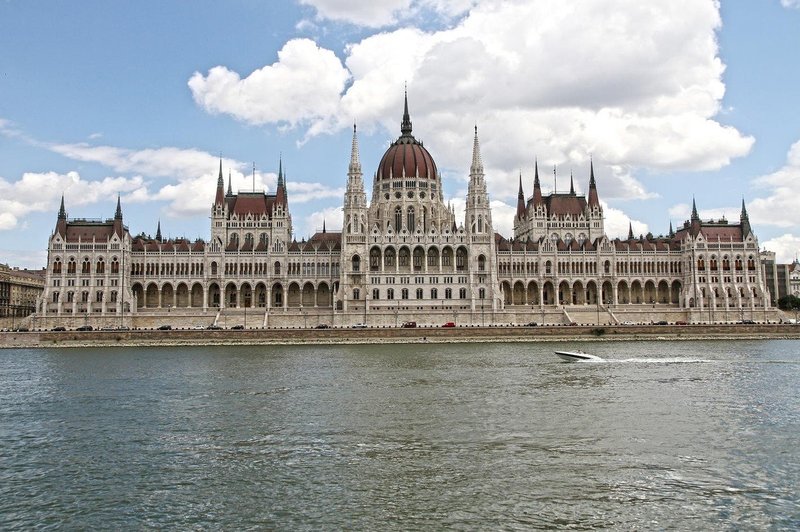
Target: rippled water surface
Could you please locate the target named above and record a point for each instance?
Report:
(688, 435)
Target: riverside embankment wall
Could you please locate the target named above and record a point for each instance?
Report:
(394, 335)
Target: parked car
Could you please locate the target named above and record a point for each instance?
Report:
(747, 322)
(237, 327)
(213, 327)
(56, 329)
(531, 324)
(21, 329)
(409, 324)
(681, 322)
(83, 328)
(662, 322)
(573, 324)
(449, 324)
(360, 326)
(322, 326)
(165, 328)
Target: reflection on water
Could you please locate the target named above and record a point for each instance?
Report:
(698, 435)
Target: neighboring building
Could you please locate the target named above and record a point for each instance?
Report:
(405, 256)
(19, 291)
(794, 278)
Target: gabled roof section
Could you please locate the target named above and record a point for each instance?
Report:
(563, 204)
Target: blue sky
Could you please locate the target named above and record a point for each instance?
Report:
(672, 100)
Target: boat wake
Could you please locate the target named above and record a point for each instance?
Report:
(669, 360)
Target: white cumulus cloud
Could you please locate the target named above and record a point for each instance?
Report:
(780, 206)
(304, 84)
(635, 84)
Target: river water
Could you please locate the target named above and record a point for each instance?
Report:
(687, 435)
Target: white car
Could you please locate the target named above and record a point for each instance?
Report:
(360, 326)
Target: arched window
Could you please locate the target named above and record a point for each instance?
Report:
(410, 222)
(404, 293)
(277, 268)
(114, 265)
(481, 263)
(480, 223)
(57, 265)
(398, 218)
(71, 265)
(86, 267)
(356, 263)
(356, 293)
(101, 266)
(419, 293)
(434, 293)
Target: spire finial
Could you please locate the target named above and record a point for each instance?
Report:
(405, 125)
(158, 231)
(323, 226)
(695, 216)
(630, 231)
(571, 184)
(230, 187)
(477, 162)
(743, 215)
(118, 214)
(62, 213)
(355, 159)
(280, 170)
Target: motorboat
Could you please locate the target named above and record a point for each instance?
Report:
(577, 356)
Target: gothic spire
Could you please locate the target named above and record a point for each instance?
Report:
(62, 213)
(630, 231)
(695, 216)
(118, 213)
(520, 199)
(323, 226)
(594, 200)
(671, 230)
(405, 125)
(537, 187)
(477, 162)
(220, 196)
(280, 171)
(158, 231)
(230, 187)
(355, 160)
(571, 184)
(745, 221)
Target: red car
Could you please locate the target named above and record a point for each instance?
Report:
(449, 324)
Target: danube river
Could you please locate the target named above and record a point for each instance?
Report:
(687, 435)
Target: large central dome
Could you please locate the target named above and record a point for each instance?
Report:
(406, 157)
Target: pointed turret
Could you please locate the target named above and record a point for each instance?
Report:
(671, 230)
(571, 184)
(220, 196)
(630, 231)
(745, 221)
(355, 160)
(61, 224)
(323, 226)
(405, 125)
(158, 231)
(594, 200)
(118, 229)
(520, 200)
(537, 187)
(477, 163)
(695, 216)
(230, 187)
(280, 193)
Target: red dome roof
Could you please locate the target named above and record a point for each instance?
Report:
(409, 156)
(406, 156)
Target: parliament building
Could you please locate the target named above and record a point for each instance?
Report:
(402, 257)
